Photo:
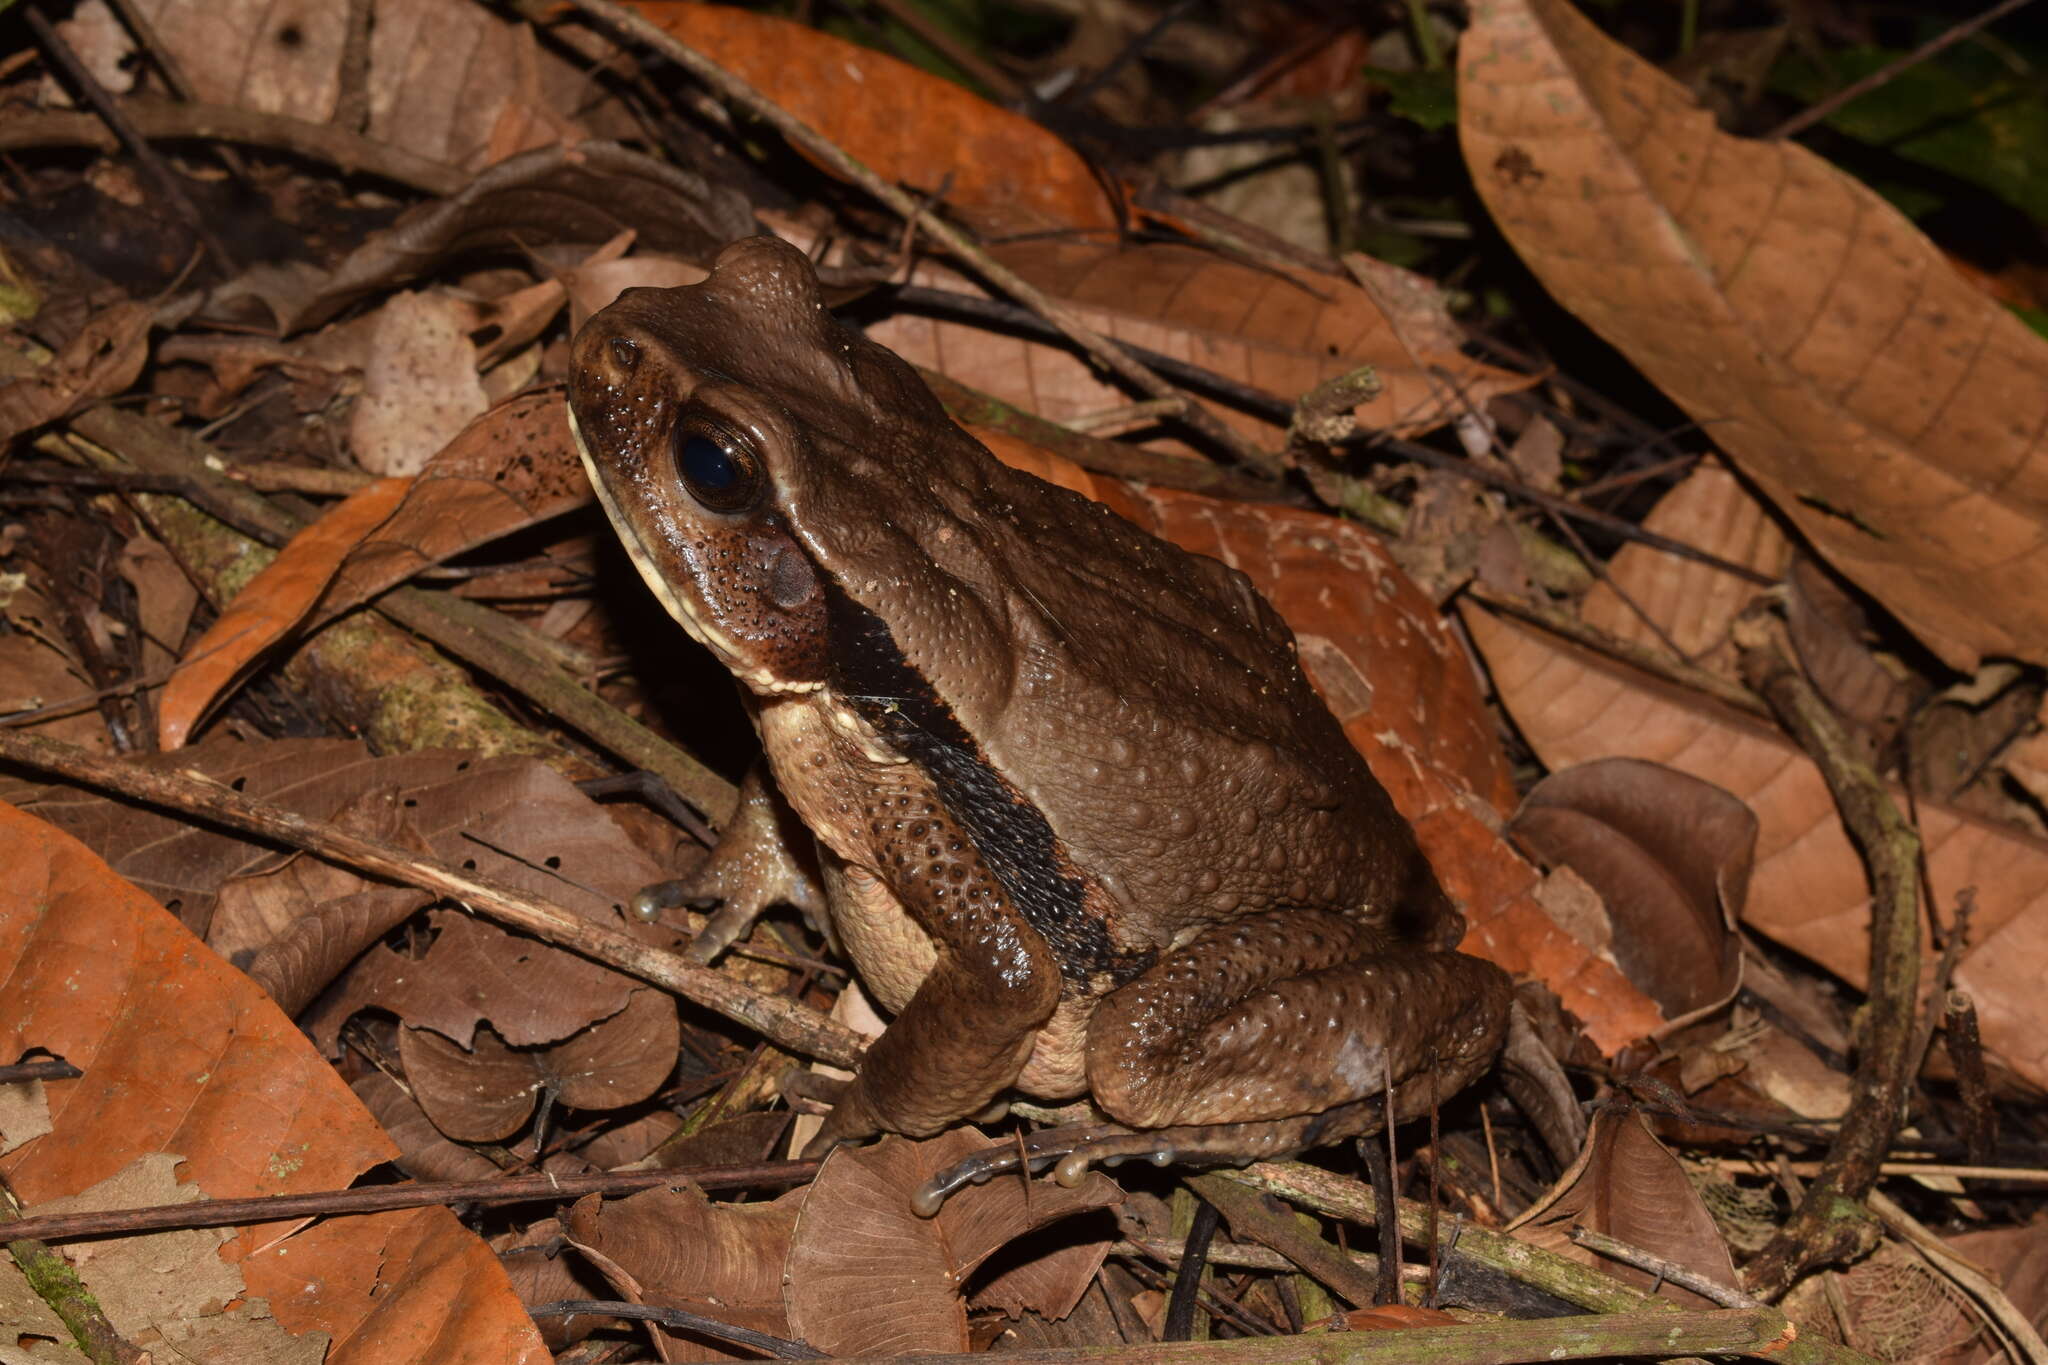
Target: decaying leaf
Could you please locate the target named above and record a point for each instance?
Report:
(1669, 854)
(1808, 889)
(103, 359)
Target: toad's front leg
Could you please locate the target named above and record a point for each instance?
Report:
(966, 1032)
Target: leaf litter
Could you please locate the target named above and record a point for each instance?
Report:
(415, 331)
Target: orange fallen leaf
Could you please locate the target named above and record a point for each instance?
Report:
(1000, 170)
(182, 1054)
(506, 470)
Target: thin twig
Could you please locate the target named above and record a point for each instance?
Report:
(159, 119)
(782, 1348)
(1805, 119)
(1821, 1230)
(1663, 1268)
(144, 32)
(516, 1189)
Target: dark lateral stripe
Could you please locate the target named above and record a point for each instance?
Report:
(871, 675)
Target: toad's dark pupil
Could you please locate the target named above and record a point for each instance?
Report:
(709, 466)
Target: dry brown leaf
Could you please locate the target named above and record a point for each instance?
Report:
(103, 359)
(1887, 407)
(675, 1248)
(866, 1276)
(184, 865)
(487, 1091)
(1282, 332)
(423, 1153)
(168, 1293)
(997, 169)
(520, 822)
(445, 81)
(1670, 856)
(1808, 890)
(182, 1055)
(1627, 1185)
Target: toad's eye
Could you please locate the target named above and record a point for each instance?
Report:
(719, 469)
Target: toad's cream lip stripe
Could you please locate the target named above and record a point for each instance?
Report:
(700, 630)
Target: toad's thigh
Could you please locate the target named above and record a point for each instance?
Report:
(1289, 1013)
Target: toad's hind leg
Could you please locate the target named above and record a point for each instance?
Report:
(1292, 1012)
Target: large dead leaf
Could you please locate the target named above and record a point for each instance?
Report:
(1884, 404)
(997, 169)
(167, 1292)
(1283, 332)
(183, 1055)
(1808, 890)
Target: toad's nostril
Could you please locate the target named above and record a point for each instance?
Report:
(625, 353)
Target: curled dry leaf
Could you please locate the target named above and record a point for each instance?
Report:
(1808, 888)
(516, 820)
(423, 1153)
(856, 1219)
(487, 1091)
(674, 1248)
(1629, 1186)
(1283, 332)
(843, 1263)
(999, 170)
(1892, 411)
(1670, 856)
(182, 1055)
